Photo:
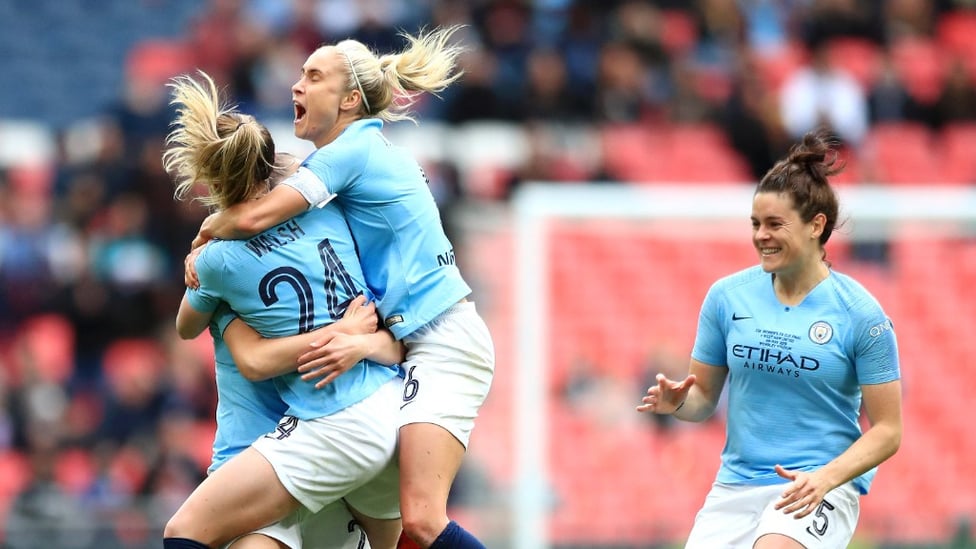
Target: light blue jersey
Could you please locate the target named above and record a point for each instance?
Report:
(405, 255)
(246, 410)
(275, 284)
(794, 372)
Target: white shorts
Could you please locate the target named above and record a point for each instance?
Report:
(449, 366)
(333, 527)
(734, 516)
(348, 455)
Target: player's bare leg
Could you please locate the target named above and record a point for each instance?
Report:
(213, 515)
(430, 458)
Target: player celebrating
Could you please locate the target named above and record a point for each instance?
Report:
(801, 346)
(341, 100)
(332, 445)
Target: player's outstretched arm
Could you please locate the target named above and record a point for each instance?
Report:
(691, 399)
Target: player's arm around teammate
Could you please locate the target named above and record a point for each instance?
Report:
(267, 357)
(331, 446)
(343, 97)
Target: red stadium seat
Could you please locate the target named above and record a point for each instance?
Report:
(75, 470)
(777, 66)
(15, 474)
(45, 348)
(131, 363)
(957, 144)
(956, 34)
(684, 153)
(956, 31)
(899, 153)
(679, 32)
(156, 61)
(852, 172)
(701, 153)
(630, 152)
(921, 64)
(859, 57)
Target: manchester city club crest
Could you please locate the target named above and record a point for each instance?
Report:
(821, 332)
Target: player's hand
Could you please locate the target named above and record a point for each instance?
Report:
(803, 494)
(190, 277)
(667, 396)
(360, 318)
(205, 234)
(339, 353)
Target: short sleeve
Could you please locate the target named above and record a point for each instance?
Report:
(222, 317)
(205, 299)
(709, 345)
(875, 349)
(310, 187)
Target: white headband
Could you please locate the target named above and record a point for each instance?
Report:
(355, 77)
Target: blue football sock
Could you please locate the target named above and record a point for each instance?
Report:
(455, 537)
(182, 543)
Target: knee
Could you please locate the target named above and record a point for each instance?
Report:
(178, 526)
(173, 527)
(423, 528)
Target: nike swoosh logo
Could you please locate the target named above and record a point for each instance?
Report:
(737, 317)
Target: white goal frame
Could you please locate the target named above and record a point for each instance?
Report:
(873, 210)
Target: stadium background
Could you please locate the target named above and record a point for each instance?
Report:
(106, 417)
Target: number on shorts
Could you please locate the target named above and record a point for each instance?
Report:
(820, 520)
(352, 526)
(410, 386)
(284, 429)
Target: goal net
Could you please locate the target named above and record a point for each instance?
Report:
(592, 289)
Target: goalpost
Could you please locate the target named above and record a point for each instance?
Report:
(689, 212)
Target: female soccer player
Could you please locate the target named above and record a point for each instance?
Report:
(330, 446)
(248, 410)
(341, 100)
(801, 346)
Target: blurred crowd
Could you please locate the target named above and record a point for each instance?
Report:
(98, 398)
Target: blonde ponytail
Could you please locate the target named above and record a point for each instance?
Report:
(389, 84)
(213, 144)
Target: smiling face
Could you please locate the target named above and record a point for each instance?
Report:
(323, 104)
(786, 244)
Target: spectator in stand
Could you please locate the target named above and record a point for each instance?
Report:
(548, 95)
(820, 95)
(818, 22)
(750, 119)
(721, 32)
(622, 94)
(889, 100)
(957, 101)
(44, 514)
(475, 97)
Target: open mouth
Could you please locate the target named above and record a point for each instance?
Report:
(299, 112)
